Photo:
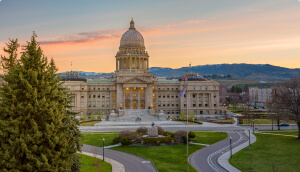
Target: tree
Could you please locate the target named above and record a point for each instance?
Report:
(191, 116)
(288, 94)
(183, 115)
(84, 118)
(93, 116)
(277, 112)
(38, 130)
(100, 116)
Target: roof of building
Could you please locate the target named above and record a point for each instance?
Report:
(193, 77)
(132, 37)
(73, 76)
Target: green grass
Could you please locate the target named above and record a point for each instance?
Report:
(165, 158)
(95, 139)
(264, 121)
(87, 166)
(236, 109)
(89, 123)
(209, 137)
(173, 158)
(285, 132)
(223, 121)
(269, 153)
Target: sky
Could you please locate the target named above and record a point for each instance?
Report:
(176, 32)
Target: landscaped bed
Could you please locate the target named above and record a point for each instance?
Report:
(223, 121)
(92, 164)
(166, 157)
(269, 153)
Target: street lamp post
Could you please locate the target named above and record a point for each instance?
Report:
(230, 149)
(237, 121)
(253, 126)
(103, 148)
(249, 136)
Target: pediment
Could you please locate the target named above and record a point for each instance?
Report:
(135, 80)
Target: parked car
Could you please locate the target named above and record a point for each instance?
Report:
(284, 124)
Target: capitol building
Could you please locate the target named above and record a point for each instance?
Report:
(133, 86)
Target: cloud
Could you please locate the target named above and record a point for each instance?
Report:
(194, 21)
(85, 37)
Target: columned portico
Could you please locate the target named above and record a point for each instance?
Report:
(134, 97)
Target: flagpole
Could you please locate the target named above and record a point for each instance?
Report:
(187, 124)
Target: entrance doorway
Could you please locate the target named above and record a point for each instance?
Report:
(134, 104)
(127, 105)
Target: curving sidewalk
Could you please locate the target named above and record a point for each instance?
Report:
(223, 159)
(121, 160)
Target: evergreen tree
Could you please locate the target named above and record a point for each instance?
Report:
(38, 131)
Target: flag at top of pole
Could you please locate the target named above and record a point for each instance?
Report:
(182, 92)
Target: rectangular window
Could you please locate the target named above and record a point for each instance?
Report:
(98, 88)
(168, 103)
(173, 104)
(90, 96)
(164, 104)
(201, 112)
(99, 96)
(159, 104)
(199, 96)
(103, 96)
(194, 103)
(177, 104)
(90, 104)
(215, 104)
(184, 105)
(194, 87)
(176, 95)
(172, 96)
(159, 95)
(194, 95)
(207, 112)
(206, 88)
(206, 104)
(90, 88)
(103, 104)
(168, 96)
(107, 104)
(164, 96)
(82, 88)
(200, 87)
(98, 104)
(94, 95)
(82, 95)
(215, 95)
(94, 88)
(107, 95)
(94, 104)
(200, 104)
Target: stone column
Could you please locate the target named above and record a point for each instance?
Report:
(212, 100)
(203, 100)
(147, 64)
(139, 65)
(131, 107)
(124, 98)
(139, 98)
(117, 67)
(119, 95)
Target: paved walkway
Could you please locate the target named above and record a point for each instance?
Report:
(277, 134)
(116, 166)
(130, 162)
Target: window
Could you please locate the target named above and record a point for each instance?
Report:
(168, 88)
(94, 95)
(200, 87)
(184, 105)
(164, 96)
(90, 88)
(215, 87)
(206, 104)
(103, 95)
(168, 103)
(164, 104)
(159, 104)
(82, 88)
(107, 104)
(114, 88)
(215, 95)
(82, 104)
(107, 95)
(199, 96)
(215, 112)
(184, 95)
(94, 104)
(176, 95)
(114, 106)
(177, 104)
(163, 88)
(90, 96)
(82, 95)
(215, 104)
(98, 104)
(195, 112)
(168, 111)
(172, 88)
(98, 88)
(194, 103)
(94, 88)
(206, 88)
(172, 96)
(172, 104)
(90, 104)
(194, 95)
(168, 96)
(107, 88)
(207, 112)
(99, 96)
(201, 112)
(176, 88)
(194, 87)
(159, 95)
(172, 111)
(200, 104)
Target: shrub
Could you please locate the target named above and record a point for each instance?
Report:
(142, 130)
(178, 135)
(127, 133)
(184, 139)
(125, 141)
(168, 133)
(100, 115)
(84, 118)
(157, 140)
(93, 117)
(160, 130)
(192, 135)
(116, 140)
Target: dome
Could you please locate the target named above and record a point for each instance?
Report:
(132, 37)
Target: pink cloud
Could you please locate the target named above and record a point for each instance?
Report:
(195, 21)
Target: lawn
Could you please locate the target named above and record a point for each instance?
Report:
(96, 139)
(285, 132)
(88, 161)
(89, 123)
(209, 137)
(223, 121)
(173, 158)
(264, 121)
(269, 153)
(165, 158)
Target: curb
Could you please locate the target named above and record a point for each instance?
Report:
(223, 159)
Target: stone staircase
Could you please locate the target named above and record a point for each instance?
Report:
(131, 115)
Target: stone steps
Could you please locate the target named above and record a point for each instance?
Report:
(130, 115)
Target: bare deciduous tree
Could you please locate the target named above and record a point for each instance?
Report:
(289, 96)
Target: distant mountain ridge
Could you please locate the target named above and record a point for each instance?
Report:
(247, 71)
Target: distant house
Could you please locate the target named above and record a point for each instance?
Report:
(262, 82)
(260, 96)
